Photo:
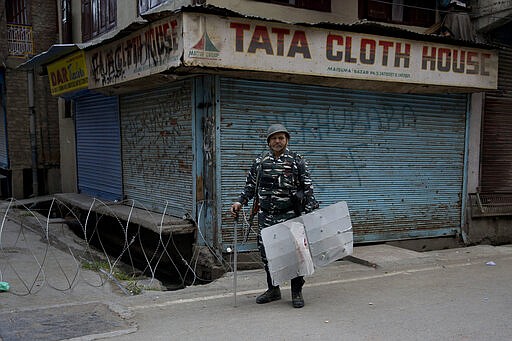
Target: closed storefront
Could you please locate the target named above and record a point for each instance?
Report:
(156, 128)
(98, 146)
(490, 204)
(383, 120)
(496, 176)
(397, 159)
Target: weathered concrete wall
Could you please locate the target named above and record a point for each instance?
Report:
(475, 127)
(490, 230)
(490, 14)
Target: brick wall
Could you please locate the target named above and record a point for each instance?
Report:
(3, 34)
(45, 31)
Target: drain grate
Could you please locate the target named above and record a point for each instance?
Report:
(62, 322)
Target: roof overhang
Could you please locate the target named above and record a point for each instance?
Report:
(54, 53)
(58, 51)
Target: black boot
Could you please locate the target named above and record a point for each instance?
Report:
(297, 299)
(272, 294)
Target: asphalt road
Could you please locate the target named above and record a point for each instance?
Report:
(437, 295)
(465, 300)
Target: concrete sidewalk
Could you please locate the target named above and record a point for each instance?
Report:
(46, 279)
(41, 276)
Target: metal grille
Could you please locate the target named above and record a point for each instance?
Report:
(490, 204)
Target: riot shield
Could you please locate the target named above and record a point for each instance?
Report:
(294, 247)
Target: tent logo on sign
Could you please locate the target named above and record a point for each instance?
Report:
(204, 48)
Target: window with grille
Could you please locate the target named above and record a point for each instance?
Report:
(146, 5)
(20, 38)
(66, 25)
(404, 12)
(17, 12)
(98, 17)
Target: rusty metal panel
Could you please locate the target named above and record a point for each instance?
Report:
(496, 173)
(497, 146)
(504, 74)
(98, 146)
(156, 128)
(396, 159)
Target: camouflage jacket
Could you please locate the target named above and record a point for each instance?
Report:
(283, 184)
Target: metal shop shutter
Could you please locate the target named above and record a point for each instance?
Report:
(397, 159)
(98, 146)
(156, 128)
(496, 174)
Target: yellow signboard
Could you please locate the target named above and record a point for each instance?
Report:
(68, 74)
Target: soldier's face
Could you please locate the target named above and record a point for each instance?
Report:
(278, 143)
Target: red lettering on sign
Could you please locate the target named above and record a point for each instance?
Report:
(299, 44)
(260, 40)
(455, 60)
(367, 53)
(385, 50)
(459, 64)
(348, 50)
(239, 35)
(473, 66)
(405, 55)
(280, 32)
(331, 40)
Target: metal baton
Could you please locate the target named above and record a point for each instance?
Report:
(235, 251)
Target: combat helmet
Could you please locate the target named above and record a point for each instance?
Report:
(277, 128)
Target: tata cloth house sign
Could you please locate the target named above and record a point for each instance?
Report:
(245, 44)
(210, 41)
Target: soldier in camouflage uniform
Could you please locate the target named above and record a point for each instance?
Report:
(284, 191)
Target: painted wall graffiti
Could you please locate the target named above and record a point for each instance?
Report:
(148, 51)
(341, 141)
(397, 159)
(157, 145)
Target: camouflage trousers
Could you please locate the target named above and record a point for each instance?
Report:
(266, 219)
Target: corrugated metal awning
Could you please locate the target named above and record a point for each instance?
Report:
(58, 51)
(54, 53)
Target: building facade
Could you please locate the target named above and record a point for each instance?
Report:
(491, 200)
(175, 98)
(29, 121)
